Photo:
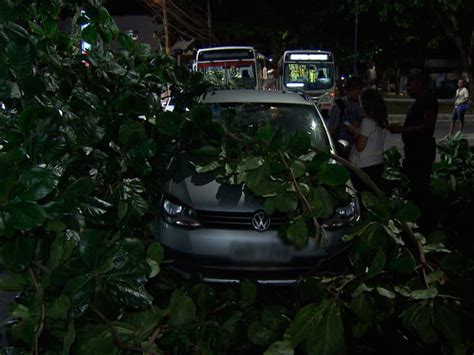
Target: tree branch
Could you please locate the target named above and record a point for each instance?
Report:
(303, 198)
(40, 297)
(116, 336)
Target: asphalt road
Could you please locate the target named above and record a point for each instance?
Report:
(441, 130)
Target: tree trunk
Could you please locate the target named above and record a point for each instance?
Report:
(165, 27)
(451, 26)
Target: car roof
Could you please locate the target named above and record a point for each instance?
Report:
(255, 96)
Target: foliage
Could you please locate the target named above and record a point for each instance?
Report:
(84, 150)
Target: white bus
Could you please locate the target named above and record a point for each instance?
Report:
(311, 71)
(235, 67)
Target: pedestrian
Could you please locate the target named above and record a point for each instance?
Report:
(419, 145)
(367, 153)
(461, 105)
(346, 109)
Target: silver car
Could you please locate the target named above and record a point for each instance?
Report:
(222, 230)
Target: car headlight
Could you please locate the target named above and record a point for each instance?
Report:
(178, 214)
(343, 215)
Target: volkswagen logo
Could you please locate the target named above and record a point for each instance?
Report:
(260, 221)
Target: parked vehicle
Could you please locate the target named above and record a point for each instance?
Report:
(222, 229)
(310, 71)
(234, 66)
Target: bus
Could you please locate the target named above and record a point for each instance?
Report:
(236, 67)
(310, 71)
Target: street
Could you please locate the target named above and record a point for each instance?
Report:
(441, 130)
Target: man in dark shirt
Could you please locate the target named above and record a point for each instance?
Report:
(346, 109)
(419, 144)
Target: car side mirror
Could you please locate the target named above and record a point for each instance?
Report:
(342, 147)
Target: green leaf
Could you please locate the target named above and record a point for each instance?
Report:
(50, 26)
(280, 348)
(297, 232)
(58, 308)
(213, 165)
(55, 226)
(327, 336)
(182, 309)
(248, 292)
(130, 295)
(26, 215)
(298, 168)
(386, 293)
(35, 28)
(207, 151)
(89, 34)
(131, 132)
(17, 254)
(77, 191)
(155, 252)
(300, 142)
(448, 322)
(25, 328)
(303, 324)
(257, 180)
(424, 294)
(286, 202)
(250, 163)
(260, 335)
(360, 289)
(363, 307)
(14, 282)
(404, 263)
(38, 182)
(334, 175)
(80, 289)
(69, 337)
(435, 276)
(419, 317)
(274, 317)
(369, 200)
(265, 133)
(409, 212)
(322, 202)
(378, 263)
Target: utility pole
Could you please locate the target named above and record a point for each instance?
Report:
(356, 26)
(209, 27)
(165, 27)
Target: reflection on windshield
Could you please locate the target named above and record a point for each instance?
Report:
(236, 77)
(286, 117)
(309, 76)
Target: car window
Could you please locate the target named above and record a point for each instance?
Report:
(290, 118)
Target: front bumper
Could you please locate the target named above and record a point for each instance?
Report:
(244, 249)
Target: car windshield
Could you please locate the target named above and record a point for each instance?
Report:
(309, 76)
(290, 118)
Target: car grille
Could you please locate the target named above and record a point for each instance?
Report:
(235, 220)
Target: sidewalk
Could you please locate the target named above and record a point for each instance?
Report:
(441, 117)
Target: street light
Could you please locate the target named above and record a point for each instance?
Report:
(356, 25)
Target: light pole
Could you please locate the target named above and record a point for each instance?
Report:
(356, 26)
(209, 27)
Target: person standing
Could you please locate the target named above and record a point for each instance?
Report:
(367, 153)
(346, 109)
(419, 145)
(461, 105)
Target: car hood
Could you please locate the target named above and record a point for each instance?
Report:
(203, 192)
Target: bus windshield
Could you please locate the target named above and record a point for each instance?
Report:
(235, 74)
(309, 76)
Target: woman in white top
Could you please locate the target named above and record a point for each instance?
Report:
(368, 149)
